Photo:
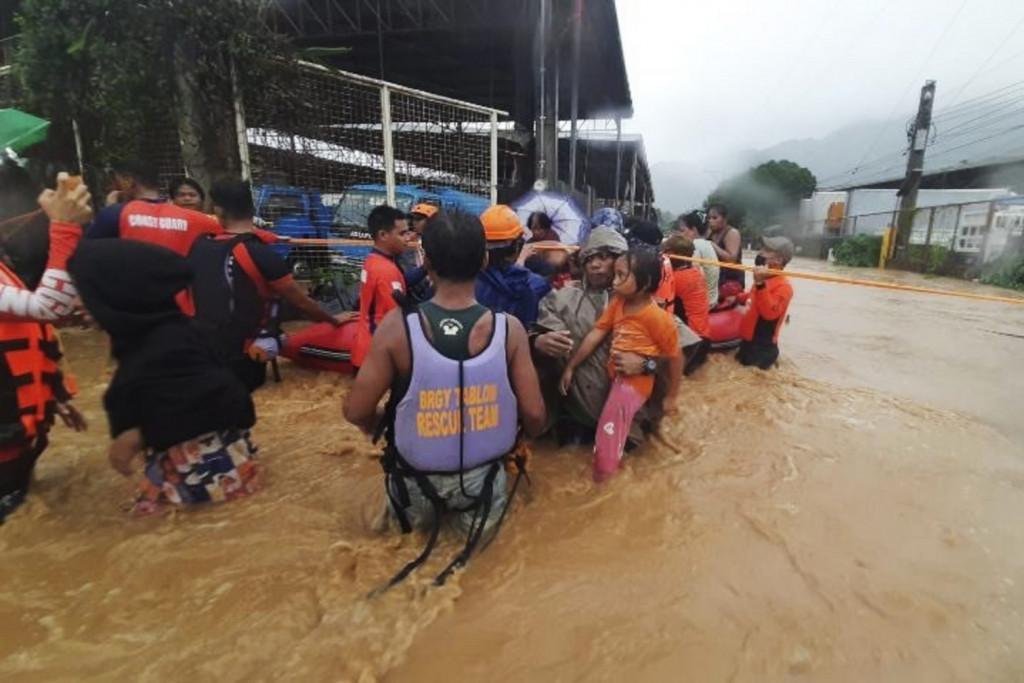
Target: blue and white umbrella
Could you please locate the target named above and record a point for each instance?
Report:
(567, 218)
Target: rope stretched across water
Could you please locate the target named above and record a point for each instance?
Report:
(836, 279)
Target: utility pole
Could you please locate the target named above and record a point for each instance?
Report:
(577, 27)
(918, 136)
(547, 99)
(618, 159)
(542, 100)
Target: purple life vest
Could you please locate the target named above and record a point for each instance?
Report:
(430, 419)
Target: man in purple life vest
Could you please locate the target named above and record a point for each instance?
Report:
(461, 382)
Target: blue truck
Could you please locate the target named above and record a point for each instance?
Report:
(356, 202)
(333, 269)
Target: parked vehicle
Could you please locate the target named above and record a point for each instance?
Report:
(353, 209)
(299, 215)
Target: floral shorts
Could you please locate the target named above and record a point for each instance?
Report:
(212, 468)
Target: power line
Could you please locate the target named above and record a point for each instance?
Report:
(874, 162)
(959, 132)
(996, 110)
(1019, 126)
(987, 60)
(989, 103)
(916, 78)
(879, 175)
(983, 101)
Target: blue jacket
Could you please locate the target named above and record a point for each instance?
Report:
(512, 289)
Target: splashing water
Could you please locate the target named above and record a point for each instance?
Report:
(853, 515)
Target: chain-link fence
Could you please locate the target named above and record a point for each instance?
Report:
(333, 146)
(341, 144)
(979, 232)
(8, 88)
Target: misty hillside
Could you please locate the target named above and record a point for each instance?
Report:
(962, 137)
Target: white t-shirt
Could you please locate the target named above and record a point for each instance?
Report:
(702, 248)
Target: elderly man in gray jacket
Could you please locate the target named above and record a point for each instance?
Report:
(566, 316)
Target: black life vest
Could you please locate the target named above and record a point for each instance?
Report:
(730, 274)
(232, 301)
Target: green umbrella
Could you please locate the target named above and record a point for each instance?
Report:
(19, 130)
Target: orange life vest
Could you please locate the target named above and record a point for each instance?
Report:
(30, 378)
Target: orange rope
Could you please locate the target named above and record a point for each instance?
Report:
(836, 279)
(854, 281)
(331, 242)
(556, 247)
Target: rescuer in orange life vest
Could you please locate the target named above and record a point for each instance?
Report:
(768, 304)
(32, 388)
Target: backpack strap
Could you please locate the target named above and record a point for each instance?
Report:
(244, 259)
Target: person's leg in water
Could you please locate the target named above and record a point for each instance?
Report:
(763, 357)
(216, 467)
(695, 356)
(16, 466)
(622, 404)
(420, 511)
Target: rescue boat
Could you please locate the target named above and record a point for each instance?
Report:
(322, 347)
(725, 327)
(325, 347)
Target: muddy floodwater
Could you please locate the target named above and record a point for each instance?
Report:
(855, 515)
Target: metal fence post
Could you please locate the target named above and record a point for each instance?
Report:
(494, 158)
(988, 231)
(241, 133)
(389, 149)
(956, 225)
(78, 146)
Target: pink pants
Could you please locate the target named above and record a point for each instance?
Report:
(613, 427)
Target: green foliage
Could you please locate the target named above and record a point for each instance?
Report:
(933, 259)
(763, 195)
(112, 65)
(861, 251)
(664, 219)
(1005, 272)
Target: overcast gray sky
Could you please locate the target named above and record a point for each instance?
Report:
(717, 76)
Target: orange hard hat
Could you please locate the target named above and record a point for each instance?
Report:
(427, 210)
(501, 224)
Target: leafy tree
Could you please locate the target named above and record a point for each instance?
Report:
(763, 195)
(664, 219)
(133, 73)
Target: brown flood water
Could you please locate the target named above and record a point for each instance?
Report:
(852, 516)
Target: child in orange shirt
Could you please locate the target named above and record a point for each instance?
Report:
(639, 326)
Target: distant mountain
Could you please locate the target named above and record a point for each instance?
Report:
(874, 148)
(861, 153)
(682, 185)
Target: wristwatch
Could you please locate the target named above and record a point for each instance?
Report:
(650, 365)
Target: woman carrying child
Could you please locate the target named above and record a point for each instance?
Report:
(638, 325)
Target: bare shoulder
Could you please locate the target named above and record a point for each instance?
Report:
(516, 331)
(516, 340)
(392, 328)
